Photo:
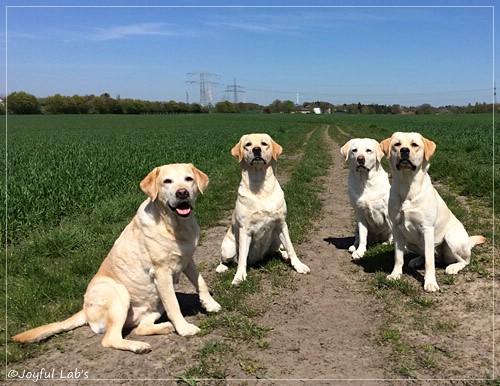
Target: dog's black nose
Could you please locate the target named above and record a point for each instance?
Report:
(256, 151)
(360, 159)
(405, 152)
(182, 194)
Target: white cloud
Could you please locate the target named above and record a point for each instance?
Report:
(141, 29)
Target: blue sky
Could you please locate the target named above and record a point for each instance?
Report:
(348, 52)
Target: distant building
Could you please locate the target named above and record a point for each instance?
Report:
(303, 110)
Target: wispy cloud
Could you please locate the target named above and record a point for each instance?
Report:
(266, 25)
(141, 29)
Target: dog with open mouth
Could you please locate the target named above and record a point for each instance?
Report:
(258, 224)
(368, 189)
(422, 222)
(135, 283)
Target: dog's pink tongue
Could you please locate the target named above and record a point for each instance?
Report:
(183, 212)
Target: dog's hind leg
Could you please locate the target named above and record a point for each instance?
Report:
(456, 251)
(147, 326)
(417, 262)
(106, 308)
(229, 251)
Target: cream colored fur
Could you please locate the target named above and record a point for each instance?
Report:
(135, 283)
(422, 222)
(368, 188)
(259, 219)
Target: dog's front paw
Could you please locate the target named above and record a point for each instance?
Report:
(187, 329)
(211, 305)
(358, 254)
(352, 248)
(453, 269)
(139, 347)
(221, 268)
(239, 278)
(431, 285)
(300, 267)
(284, 254)
(394, 276)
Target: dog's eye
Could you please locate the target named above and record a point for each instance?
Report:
(368, 150)
(263, 143)
(414, 144)
(248, 144)
(167, 181)
(397, 144)
(189, 179)
(354, 150)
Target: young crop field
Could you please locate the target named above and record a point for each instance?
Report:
(73, 185)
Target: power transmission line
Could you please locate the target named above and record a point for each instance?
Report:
(234, 89)
(206, 83)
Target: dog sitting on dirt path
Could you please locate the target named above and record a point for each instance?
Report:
(259, 219)
(135, 283)
(368, 187)
(422, 222)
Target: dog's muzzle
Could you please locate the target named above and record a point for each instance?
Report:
(258, 160)
(405, 164)
(360, 163)
(182, 207)
(257, 156)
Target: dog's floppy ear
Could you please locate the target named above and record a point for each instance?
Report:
(429, 148)
(200, 178)
(237, 150)
(149, 184)
(385, 145)
(378, 151)
(344, 150)
(276, 149)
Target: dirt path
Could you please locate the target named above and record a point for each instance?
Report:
(325, 329)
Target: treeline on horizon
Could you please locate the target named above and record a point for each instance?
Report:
(24, 103)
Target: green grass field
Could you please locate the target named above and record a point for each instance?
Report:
(73, 184)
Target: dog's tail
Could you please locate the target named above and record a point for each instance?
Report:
(48, 330)
(476, 240)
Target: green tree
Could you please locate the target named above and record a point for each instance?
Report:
(425, 109)
(225, 107)
(276, 106)
(56, 104)
(288, 106)
(23, 103)
(78, 105)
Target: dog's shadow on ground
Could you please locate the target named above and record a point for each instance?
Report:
(188, 302)
(340, 242)
(380, 261)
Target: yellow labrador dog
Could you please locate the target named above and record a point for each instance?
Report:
(422, 222)
(368, 187)
(258, 222)
(135, 283)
